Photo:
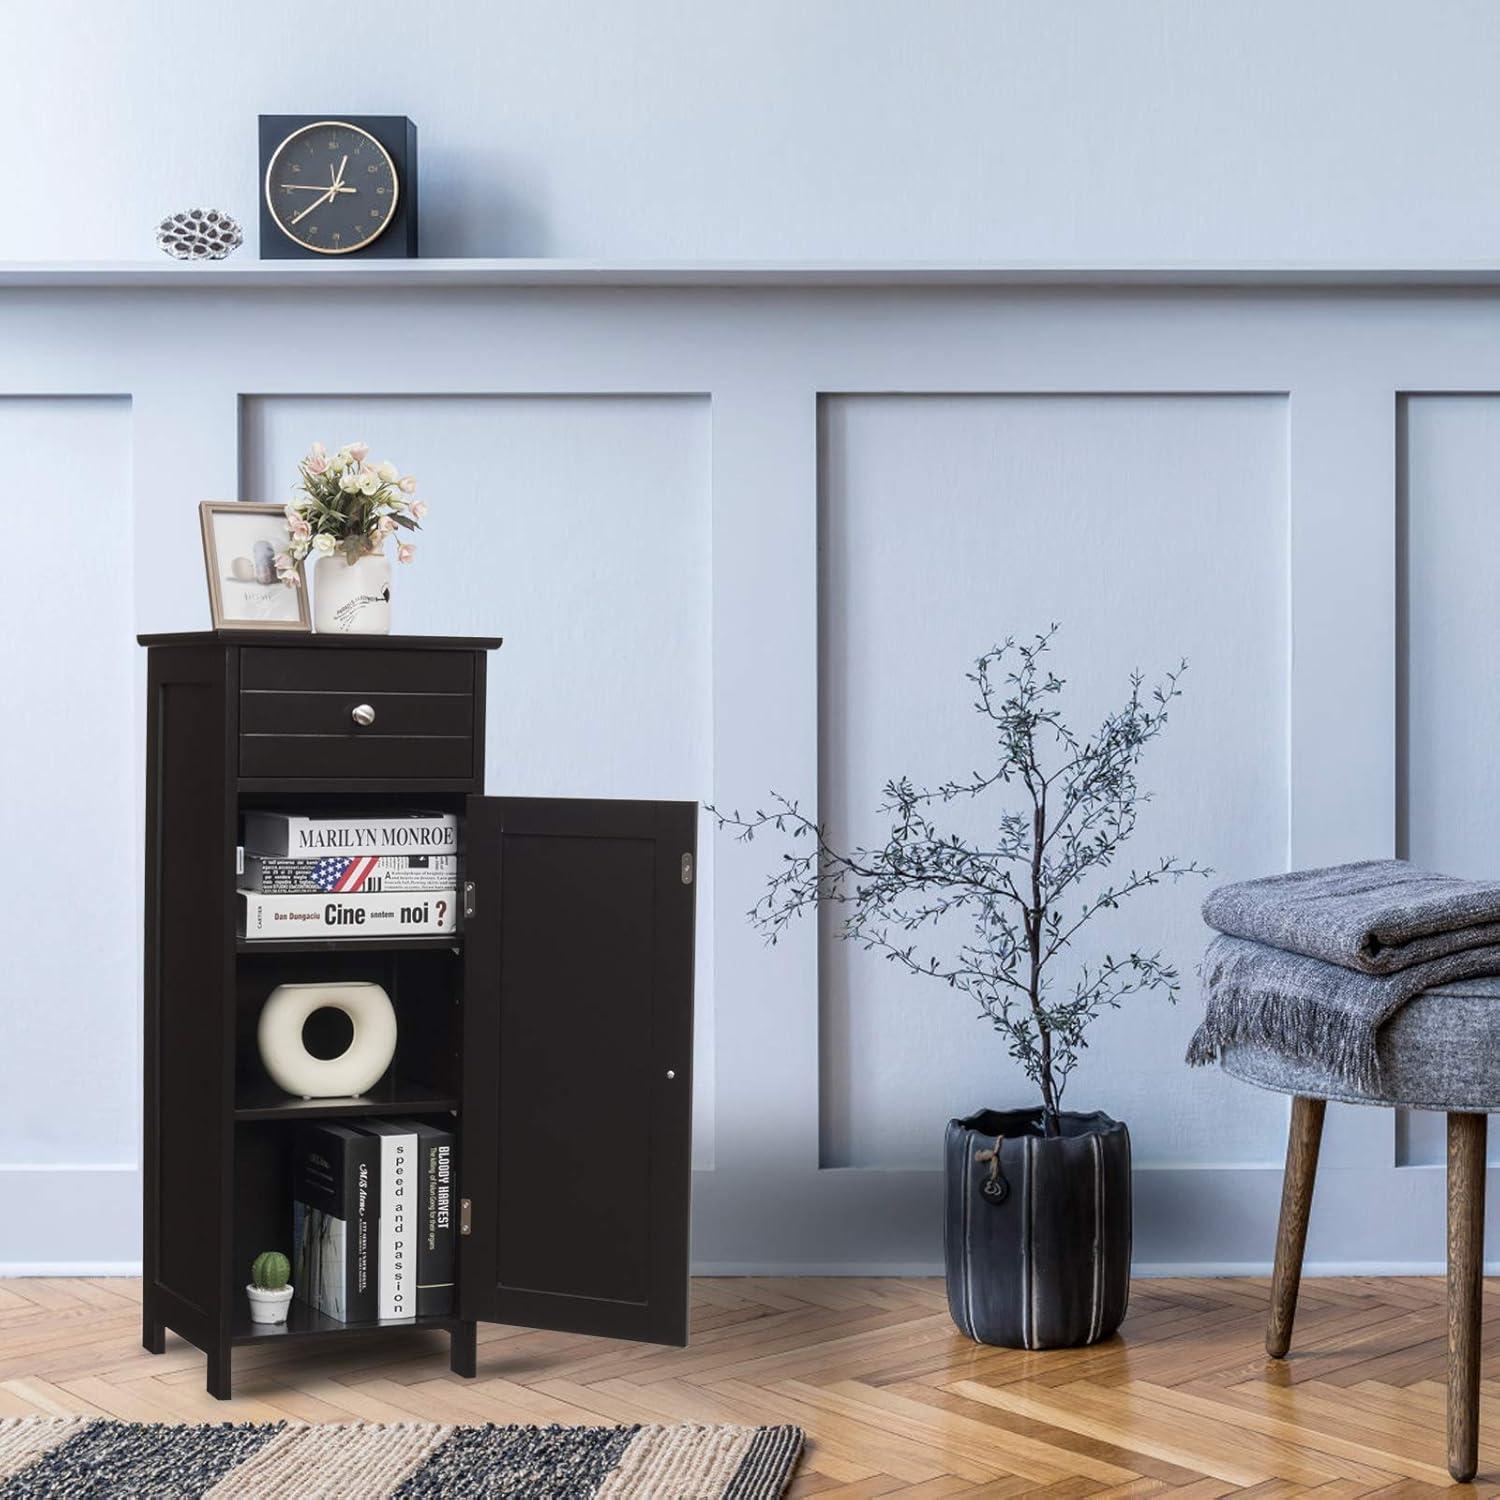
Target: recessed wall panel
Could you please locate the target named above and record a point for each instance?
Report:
(578, 529)
(1448, 696)
(1151, 528)
(69, 761)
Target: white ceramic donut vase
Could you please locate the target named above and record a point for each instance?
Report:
(294, 1068)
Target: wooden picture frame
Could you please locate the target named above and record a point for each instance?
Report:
(236, 560)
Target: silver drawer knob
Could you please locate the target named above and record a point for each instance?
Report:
(364, 714)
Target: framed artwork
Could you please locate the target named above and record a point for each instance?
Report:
(240, 545)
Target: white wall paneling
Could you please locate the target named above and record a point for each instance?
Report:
(743, 538)
(1119, 517)
(68, 824)
(603, 683)
(1448, 616)
(70, 807)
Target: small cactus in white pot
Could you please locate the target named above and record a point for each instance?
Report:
(269, 1288)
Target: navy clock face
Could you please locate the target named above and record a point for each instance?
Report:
(331, 187)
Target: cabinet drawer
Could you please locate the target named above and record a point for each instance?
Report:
(297, 713)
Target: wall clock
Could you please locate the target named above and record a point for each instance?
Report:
(344, 185)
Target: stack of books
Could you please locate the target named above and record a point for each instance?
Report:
(373, 1228)
(315, 876)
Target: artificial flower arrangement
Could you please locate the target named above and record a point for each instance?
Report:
(350, 506)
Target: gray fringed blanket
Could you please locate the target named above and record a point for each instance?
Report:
(1313, 963)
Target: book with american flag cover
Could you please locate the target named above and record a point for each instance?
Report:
(335, 874)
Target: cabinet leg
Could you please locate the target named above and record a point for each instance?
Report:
(1466, 1170)
(218, 1373)
(1302, 1142)
(462, 1353)
(153, 1335)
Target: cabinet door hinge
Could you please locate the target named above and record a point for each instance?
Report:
(687, 869)
(465, 1216)
(468, 898)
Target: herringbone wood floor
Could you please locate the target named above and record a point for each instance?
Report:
(893, 1400)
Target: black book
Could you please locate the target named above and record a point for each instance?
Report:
(437, 1217)
(335, 1222)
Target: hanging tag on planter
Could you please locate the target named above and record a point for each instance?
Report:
(995, 1189)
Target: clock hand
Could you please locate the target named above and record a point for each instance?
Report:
(328, 194)
(338, 181)
(316, 203)
(312, 187)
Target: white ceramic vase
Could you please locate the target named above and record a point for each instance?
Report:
(293, 1068)
(266, 1306)
(352, 598)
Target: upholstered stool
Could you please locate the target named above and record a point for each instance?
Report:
(1439, 1051)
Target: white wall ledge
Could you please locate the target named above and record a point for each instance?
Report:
(247, 272)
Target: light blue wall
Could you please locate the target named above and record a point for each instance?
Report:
(1215, 473)
(1148, 130)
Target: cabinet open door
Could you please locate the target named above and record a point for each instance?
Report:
(575, 1157)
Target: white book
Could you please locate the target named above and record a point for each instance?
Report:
(384, 914)
(397, 1280)
(302, 836)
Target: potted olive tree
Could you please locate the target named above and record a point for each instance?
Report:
(1037, 1232)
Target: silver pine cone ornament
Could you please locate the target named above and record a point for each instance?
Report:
(199, 234)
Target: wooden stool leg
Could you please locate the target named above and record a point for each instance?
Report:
(1467, 1136)
(1302, 1144)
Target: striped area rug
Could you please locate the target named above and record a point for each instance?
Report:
(93, 1457)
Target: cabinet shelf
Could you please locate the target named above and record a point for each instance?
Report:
(436, 942)
(304, 1322)
(394, 1096)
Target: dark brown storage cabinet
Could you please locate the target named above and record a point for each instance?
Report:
(552, 1031)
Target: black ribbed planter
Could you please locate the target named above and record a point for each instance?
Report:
(1038, 1255)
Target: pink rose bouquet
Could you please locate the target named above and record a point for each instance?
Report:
(346, 504)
